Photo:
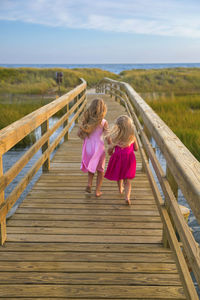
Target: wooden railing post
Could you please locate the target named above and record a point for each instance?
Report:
(146, 131)
(44, 129)
(106, 91)
(75, 101)
(66, 109)
(111, 90)
(3, 222)
(172, 182)
(116, 98)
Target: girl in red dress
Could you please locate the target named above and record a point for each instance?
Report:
(122, 163)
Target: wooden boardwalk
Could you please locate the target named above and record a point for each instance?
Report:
(65, 244)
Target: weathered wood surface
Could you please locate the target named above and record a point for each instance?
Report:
(65, 244)
(182, 164)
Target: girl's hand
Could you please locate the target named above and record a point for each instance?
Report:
(110, 150)
(136, 147)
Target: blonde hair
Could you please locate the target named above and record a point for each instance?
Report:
(93, 116)
(122, 133)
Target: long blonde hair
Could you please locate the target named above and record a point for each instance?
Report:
(122, 133)
(93, 116)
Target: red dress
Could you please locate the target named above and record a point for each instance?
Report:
(122, 164)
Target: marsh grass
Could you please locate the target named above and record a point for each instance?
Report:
(178, 80)
(41, 81)
(173, 93)
(182, 115)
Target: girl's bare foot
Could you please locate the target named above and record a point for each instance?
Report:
(128, 201)
(121, 189)
(98, 194)
(88, 189)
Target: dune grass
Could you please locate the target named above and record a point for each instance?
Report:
(43, 81)
(173, 93)
(182, 115)
(177, 80)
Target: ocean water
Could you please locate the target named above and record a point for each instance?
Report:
(114, 68)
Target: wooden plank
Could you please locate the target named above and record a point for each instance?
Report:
(82, 267)
(57, 211)
(30, 216)
(83, 238)
(86, 206)
(86, 231)
(3, 234)
(89, 278)
(82, 224)
(61, 298)
(105, 202)
(87, 257)
(83, 247)
(91, 291)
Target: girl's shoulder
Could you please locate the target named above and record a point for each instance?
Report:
(103, 122)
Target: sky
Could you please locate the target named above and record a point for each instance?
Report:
(99, 31)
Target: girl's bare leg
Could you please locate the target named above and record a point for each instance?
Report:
(99, 183)
(127, 187)
(90, 179)
(120, 186)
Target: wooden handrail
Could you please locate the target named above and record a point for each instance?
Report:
(170, 207)
(15, 132)
(183, 165)
(8, 136)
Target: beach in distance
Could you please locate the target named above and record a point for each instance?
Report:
(114, 68)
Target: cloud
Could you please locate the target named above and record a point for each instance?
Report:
(150, 17)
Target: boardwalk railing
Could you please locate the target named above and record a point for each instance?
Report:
(183, 171)
(71, 104)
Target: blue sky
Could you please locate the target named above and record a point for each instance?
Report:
(99, 31)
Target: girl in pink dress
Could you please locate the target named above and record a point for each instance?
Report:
(122, 163)
(93, 153)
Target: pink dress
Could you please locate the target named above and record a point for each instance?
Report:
(93, 153)
(122, 164)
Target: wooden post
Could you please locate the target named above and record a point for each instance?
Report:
(3, 234)
(172, 182)
(75, 101)
(110, 90)
(66, 109)
(106, 92)
(116, 98)
(146, 131)
(164, 233)
(44, 129)
(164, 239)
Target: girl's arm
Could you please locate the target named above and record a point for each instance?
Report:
(136, 147)
(105, 130)
(110, 149)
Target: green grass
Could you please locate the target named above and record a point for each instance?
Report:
(177, 80)
(182, 115)
(173, 93)
(43, 81)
